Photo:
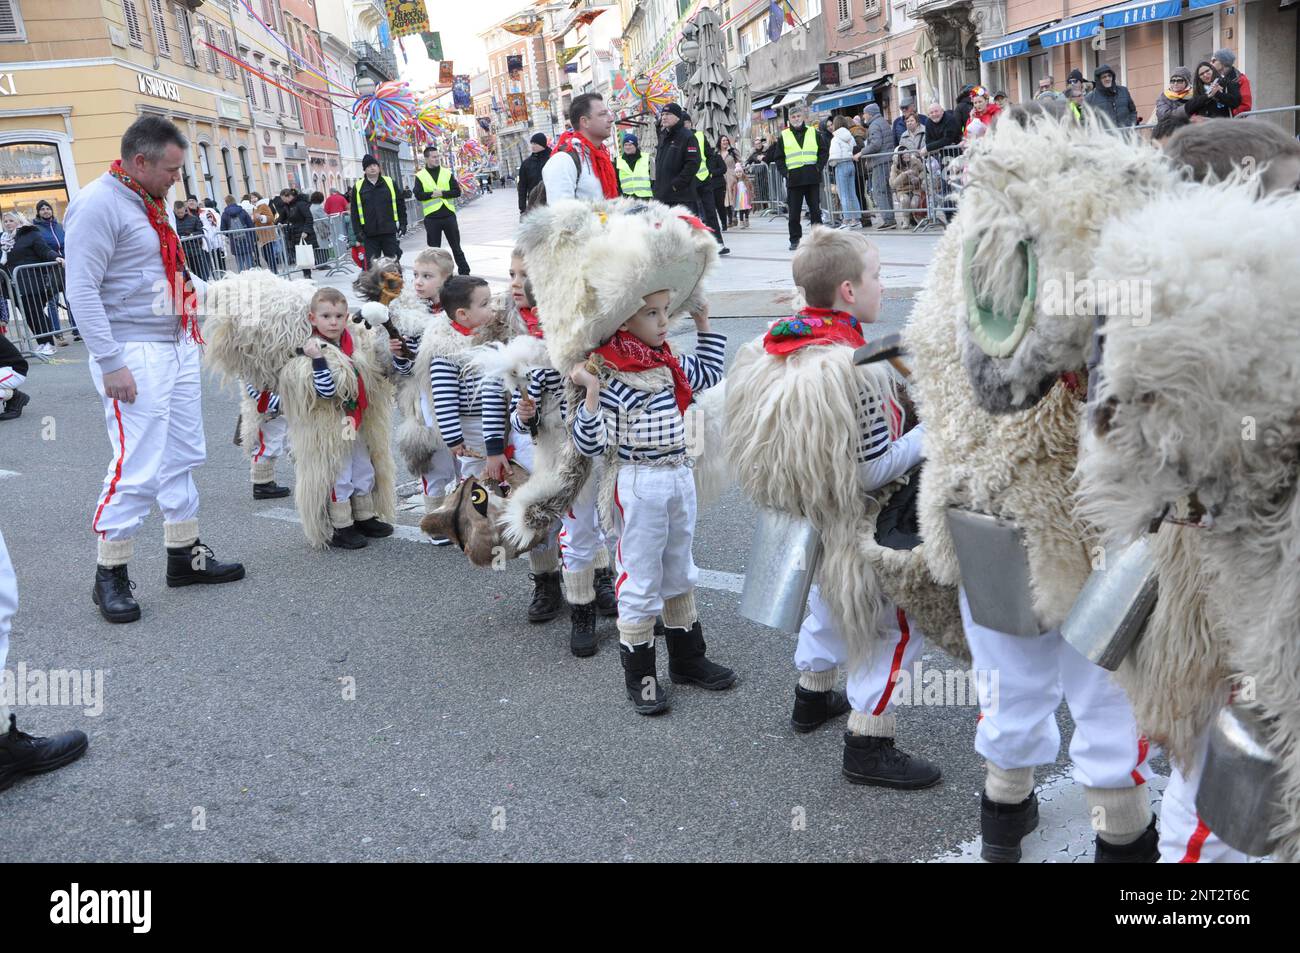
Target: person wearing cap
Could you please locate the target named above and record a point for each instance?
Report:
(1223, 61)
(907, 107)
(1176, 94)
(437, 189)
(530, 170)
(377, 212)
(677, 160)
(633, 170)
(800, 154)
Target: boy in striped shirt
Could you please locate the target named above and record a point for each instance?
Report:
(637, 394)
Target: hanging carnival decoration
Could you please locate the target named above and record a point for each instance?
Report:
(428, 122)
(387, 111)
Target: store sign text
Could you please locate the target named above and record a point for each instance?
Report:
(153, 86)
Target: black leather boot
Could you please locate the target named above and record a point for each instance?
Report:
(1004, 826)
(373, 528)
(22, 754)
(548, 596)
(641, 679)
(112, 593)
(347, 537)
(606, 598)
(879, 763)
(687, 664)
(1144, 850)
(582, 634)
(190, 565)
(814, 709)
(270, 491)
(14, 406)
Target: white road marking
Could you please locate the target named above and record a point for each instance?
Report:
(8, 473)
(709, 578)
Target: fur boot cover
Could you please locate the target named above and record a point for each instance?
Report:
(793, 430)
(1002, 412)
(322, 442)
(255, 321)
(1199, 403)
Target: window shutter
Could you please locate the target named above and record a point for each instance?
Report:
(212, 57)
(226, 65)
(132, 23)
(183, 36)
(11, 22)
(159, 24)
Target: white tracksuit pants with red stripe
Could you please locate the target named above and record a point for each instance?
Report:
(10, 381)
(357, 476)
(272, 439)
(8, 603)
(870, 685)
(1184, 837)
(581, 536)
(1017, 726)
(654, 513)
(443, 471)
(157, 441)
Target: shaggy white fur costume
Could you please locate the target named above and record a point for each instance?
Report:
(1204, 403)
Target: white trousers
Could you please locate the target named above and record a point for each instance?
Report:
(272, 439)
(654, 511)
(157, 441)
(1184, 837)
(10, 381)
(357, 476)
(8, 604)
(1018, 728)
(871, 682)
(443, 471)
(581, 536)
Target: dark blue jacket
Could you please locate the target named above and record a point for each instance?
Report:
(234, 217)
(52, 232)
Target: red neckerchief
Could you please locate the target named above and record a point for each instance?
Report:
(435, 307)
(354, 408)
(264, 402)
(468, 332)
(598, 156)
(825, 326)
(625, 352)
(531, 321)
(173, 256)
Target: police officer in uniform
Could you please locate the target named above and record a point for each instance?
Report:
(633, 170)
(377, 212)
(437, 189)
(800, 154)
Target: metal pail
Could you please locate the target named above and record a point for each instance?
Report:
(779, 574)
(1113, 607)
(994, 571)
(1237, 796)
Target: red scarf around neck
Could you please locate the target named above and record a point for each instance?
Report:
(626, 352)
(531, 321)
(457, 326)
(173, 256)
(599, 158)
(354, 408)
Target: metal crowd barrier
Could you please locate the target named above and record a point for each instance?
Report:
(272, 247)
(33, 299)
(919, 209)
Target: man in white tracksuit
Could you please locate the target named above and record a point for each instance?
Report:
(124, 274)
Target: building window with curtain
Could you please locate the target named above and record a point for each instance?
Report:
(1195, 41)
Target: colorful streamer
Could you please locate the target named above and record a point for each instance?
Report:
(387, 111)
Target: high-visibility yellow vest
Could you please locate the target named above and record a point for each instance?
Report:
(704, 162)
(796, 156)
(635, 181)
(361, 209)
(442, 184)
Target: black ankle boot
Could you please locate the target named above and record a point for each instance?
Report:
(582, 634)
(814, 709)
(548, 597)
(270, 491)
(879, 763)
(373, 528)
(1144, 850)
(14, 406)
(190, 565)
(641, 679)
(22, 753)
(687, 664)
(1004, 826)
(112, 593)
(606, 598)
(347, 537)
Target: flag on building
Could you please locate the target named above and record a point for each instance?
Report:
(407, 17)
(432, 45)
(518, 107)
(460, 94)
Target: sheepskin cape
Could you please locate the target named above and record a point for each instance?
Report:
(1200, 400)
(322, 436)
(792, 438)
(1002, 433)
(254, 322)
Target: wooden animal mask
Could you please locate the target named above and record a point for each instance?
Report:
(470, 516)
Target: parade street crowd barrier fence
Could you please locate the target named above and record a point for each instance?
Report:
(31, 307)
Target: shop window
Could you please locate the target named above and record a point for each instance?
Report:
(29, 172)
(11, 22)
(1040, 66)
(159, 23)
(133, 30)
(1195, 41)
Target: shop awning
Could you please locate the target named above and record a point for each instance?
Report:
(1013, 44)
(1197, 4)
(1068, 31)
(844, 97)
(763, 102)
(1131, 14)
(796, 94)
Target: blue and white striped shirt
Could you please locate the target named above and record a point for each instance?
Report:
(272, 404)
(648, 426)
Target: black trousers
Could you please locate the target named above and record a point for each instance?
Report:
(720, 203)
(796, 195)
(435, 227)
(381, 246)
(708, 211)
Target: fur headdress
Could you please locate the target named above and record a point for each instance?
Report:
(591, 265)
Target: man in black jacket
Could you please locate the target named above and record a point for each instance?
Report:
(677, 160)
(377, 212)
(437, 189)
(800, 153)
(530, 171)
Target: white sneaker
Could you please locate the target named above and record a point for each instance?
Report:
(46, 350)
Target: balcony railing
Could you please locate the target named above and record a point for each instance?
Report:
(383, 61)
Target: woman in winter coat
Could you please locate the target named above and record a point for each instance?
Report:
(1213, 96)
(907, 179)
(730, 159)
(20, 245)
(983, 113)
(1177, 94)
(321, 226)
(52, 232)
(845, 169)
(530, 172)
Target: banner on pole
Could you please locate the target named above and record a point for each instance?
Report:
(407, 17)
(445, 77)
(432, 45)
(460, 94)
(518, 104)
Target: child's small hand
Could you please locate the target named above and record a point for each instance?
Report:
(312, 349)
(526, 409)
(459, 450)
(701, 318)
(395, 346)
(583, 377)
(498, 467)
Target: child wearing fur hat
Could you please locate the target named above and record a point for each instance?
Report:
(345, 485)
(802, 366)
(637, 394)
(588, 578)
